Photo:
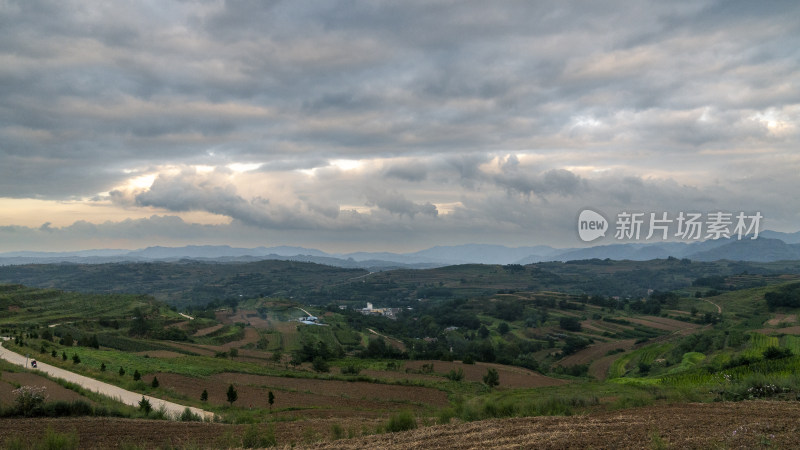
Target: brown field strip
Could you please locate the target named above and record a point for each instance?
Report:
(755, 424)
(53, 390)
(595, 352)
(510, 376)
(330, 397)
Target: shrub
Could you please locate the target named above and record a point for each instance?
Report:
(62, 441)
(773, 352)
(136, 375)
(29, 400)
(401, 421)
(492, 378)
(337, 432)
(455, 375)
(254, 438)
(350, 369)
(320, 365)
(188, 416)
(155, 382)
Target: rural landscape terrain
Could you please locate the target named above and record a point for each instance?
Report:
(587, 353)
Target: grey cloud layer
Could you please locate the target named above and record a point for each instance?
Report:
(655, 104)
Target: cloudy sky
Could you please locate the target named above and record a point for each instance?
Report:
(370, 125)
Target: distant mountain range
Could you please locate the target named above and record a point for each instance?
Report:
(770, 246)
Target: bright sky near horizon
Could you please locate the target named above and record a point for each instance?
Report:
(373, 125)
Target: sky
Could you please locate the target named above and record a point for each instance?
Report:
(388, 126)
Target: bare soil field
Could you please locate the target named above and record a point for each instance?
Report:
(208, 330)
(53, 390)
(662, 323)
(510, 376)
(328, 397)
(782, 319)
(160, 354)
(753, 424)
(201, 350)
(250, 337)
(788, 330)
(110, 433)
(595, 352)
(395, 375)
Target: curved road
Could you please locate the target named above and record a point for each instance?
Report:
(109, 390)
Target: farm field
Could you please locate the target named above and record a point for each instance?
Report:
(756, 424)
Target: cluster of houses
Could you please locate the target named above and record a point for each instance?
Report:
(386, 312)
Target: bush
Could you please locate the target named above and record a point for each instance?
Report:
(75, 408)
(188, 416)
(492, 378)
(773, 352)
(337, 432)
(254, 438)
(29, 401)
(320, 365)
(402, 421)
(455, 375)
(350, 369)
(61, 441)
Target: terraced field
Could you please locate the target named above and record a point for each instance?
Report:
(755, 424)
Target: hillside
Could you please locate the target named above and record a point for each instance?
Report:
(188, 284)
(343, 372)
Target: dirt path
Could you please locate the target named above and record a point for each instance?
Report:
(719, 308)
(109, 390)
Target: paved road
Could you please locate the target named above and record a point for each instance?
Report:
(109, 390)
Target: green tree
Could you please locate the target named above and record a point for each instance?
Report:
(204, 395)
(270, 399)
(232, 394)
(155, 382)
(136, 375)
(140, 326)
(320, 365)
(67, 340)
(76, 359)
(63, 356)
(503, 328)
(145, 406)
(491, 378)
(102, 367)
(121, 371)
